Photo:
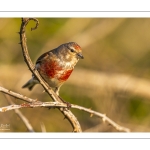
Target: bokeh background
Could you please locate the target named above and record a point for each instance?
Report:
(114, 77)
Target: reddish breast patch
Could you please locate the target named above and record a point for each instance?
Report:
(51, 68)
(65, 75)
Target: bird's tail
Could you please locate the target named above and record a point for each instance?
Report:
(30, 84)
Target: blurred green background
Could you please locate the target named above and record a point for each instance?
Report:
(114, 77)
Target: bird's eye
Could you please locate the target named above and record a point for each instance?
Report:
(72, 50)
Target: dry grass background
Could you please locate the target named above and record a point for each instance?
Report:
(113, 48)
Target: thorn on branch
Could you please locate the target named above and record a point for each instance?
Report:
(91, 115)
(74, 130)
(104, 118)
(4, 109)
(18, 32)
(65, 117)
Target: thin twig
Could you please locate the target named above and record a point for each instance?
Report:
(19, 113)
(67, 113)
(33, 105)
(17, 95)
(103, 116)
(43, 127)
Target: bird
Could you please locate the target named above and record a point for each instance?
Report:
(55, 66)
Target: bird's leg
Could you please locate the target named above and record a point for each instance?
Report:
(67, 103)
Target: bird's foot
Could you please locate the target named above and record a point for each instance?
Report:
(67, 103)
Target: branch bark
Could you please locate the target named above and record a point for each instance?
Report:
(34, 103)
(67, 113)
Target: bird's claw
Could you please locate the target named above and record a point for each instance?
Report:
(67, 103)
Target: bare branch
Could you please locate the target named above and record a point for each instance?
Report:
(67, 113)
(34, 103)
(31, 102)
(57, 104)
(103, 116)
(22, 117)
(43, 127)
(16, 95)
(10, 107)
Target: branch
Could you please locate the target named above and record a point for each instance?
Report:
(17, 95)
(31, 102)
(103, 116)
(43, 127)
(67, 113)
(36, 103)
(33, 105)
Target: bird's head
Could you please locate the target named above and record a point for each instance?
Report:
(72, 51)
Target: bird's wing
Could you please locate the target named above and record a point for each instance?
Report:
(45, 55)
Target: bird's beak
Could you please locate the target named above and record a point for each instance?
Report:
(80, 55)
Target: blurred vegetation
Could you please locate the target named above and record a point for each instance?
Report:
(110, 45)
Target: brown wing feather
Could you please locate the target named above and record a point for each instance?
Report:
(43, 56)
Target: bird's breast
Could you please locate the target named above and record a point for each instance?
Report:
(55, 70)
